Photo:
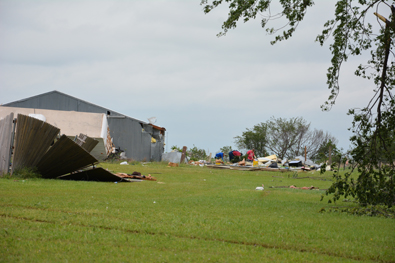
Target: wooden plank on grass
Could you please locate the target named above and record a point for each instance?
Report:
(65, 156)
(245, 168)
(218, 166)
(275, 169)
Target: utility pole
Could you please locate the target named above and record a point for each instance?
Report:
(184, 151)
(305, 154)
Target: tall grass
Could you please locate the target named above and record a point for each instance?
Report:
(191, 214)
(24, 173)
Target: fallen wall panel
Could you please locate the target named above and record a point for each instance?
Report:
(65, 156)
(32, 139)
(96, 174)
(5, 142)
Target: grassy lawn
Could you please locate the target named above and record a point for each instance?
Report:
(191, 214)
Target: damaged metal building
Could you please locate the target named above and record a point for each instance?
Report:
(141, 141)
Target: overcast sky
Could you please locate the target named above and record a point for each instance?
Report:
(162, 59)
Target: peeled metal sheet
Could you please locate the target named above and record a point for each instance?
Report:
(89, 144)
(32, 139)
(95, 174)
(86, 142)
(65, 156)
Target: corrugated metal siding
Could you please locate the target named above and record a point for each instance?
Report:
(6, 125)
(156, 151)
(157, 134)
(147, 128)
(146, 146)
(128, 135)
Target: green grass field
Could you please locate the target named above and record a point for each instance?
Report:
(191, 214)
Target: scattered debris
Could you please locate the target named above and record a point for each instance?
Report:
(136, 175)
(303, 188)
(260, 188)
(294, 187)
(201, 163)
(315, 178)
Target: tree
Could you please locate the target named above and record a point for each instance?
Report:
(225, 149)
(290, 138)
(254, 138)
(196, 154)
(314, 142)
(176, 148)
(328, 149)
(352, 35)
(284, 135)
